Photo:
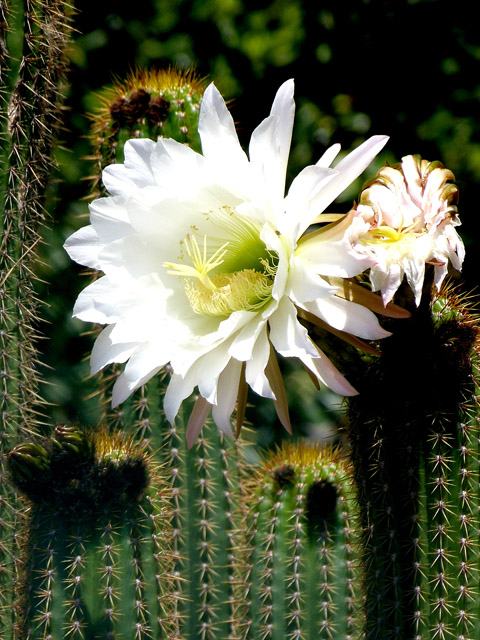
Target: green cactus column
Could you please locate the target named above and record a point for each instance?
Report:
(203, 478)
(414, 432)
(96, 538)
(304, 574)
(33, 37)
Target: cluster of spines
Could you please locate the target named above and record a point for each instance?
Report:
(414, 436)
(148, 104)
(92, 568)
(303, 572)
(33, 38)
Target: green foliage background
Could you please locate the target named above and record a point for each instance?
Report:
(409, 69)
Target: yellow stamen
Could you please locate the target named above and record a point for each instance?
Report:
(201, 265)
(245, 290)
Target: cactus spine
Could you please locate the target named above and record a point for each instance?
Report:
(33, 36)
(414, 435)
(304, 579)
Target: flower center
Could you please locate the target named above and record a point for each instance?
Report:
(385, 235)
(236, 276)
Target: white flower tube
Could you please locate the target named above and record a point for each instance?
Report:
(205, 263)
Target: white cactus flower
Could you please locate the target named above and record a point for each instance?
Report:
(206, 263)
(412, 214)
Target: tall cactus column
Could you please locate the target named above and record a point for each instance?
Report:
(414, 432)
(33, 36)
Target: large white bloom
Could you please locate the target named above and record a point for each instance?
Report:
(206, 264)
(412, 214)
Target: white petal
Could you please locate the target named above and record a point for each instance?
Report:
(136, 172)
(347, 316)
(291, 339)
(330, 251)
(244, 342)
(328, 374)
(329, 156)
(98, 303)
(106, 351)
(217, 130)
(348, 170)
(227, 396)
(255, 368)
(287, 335)
(178, 389)
(304, 284)
(142, 365)
(83, 246)
(270, 142)
(300, 204)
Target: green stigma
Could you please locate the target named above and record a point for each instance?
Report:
(238, 276)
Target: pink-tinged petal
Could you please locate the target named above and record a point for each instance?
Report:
(227, 396)
(347, 316)
(83, 246)
(198, 417)
(255, 367)
(274, 375)
(105, 351)
(217, 131)
(136, 172)
(270, 142)
(328, 374)
(142, 365)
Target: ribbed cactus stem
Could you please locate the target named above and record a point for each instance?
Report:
(33, 37)
(205, 483)
(414, 433)
(304, 579)
(96, 543)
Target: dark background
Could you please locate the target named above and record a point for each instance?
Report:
(406, 69)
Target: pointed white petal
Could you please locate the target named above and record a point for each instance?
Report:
(328, 374)
(227, 396)
(83, 246)
(347, 316)
(142, 365)
(136, 172)
(348, 170)
(217, 130)
(329, 156)
(287, 335)
(178, 389)
(255, 367)
(270, 142)
(105, 351)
